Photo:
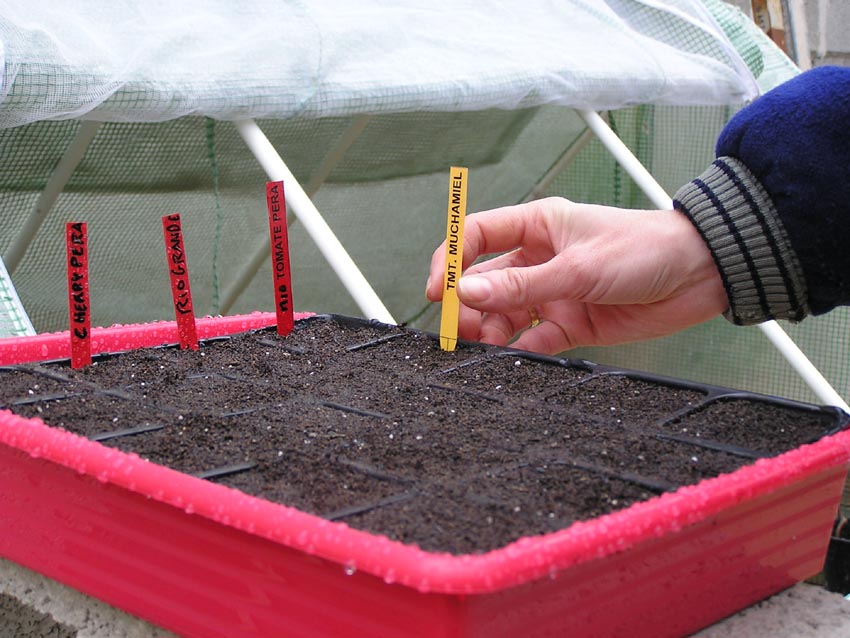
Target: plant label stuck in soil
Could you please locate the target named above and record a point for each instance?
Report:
(79, 307)
(458, 179)
(178, 270)
(281, 272)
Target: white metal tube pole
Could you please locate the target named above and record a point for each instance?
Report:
(300, 204)
(261, 253)
(659, 197)
(55, 184)
(805, 368)
(624, 156)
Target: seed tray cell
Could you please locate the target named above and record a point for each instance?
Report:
(484, 492)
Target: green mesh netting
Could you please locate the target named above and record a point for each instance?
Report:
(132, 174)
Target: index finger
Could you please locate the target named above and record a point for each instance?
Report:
(485, 233)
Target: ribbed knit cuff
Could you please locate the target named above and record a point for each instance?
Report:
(738, 220)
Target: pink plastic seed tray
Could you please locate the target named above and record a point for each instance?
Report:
(203, 560)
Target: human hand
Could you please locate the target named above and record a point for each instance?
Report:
(594, 275)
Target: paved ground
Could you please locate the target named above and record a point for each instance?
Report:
(32, 606)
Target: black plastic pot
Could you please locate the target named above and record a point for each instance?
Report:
(836, 569)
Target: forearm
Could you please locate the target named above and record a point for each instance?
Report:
(738, 220)
(775, 207)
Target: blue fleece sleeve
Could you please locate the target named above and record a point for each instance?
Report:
(795, 140)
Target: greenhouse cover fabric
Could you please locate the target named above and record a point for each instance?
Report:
(154, 60)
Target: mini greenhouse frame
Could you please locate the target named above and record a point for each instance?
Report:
(118, 117)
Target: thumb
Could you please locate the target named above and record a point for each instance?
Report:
(509, 289)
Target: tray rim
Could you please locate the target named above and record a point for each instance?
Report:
(522, 561)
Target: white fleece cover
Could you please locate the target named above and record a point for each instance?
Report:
(153, 60)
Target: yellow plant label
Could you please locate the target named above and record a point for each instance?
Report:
(458, 179)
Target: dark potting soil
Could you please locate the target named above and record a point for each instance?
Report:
(377, 427)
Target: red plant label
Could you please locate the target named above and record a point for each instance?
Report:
(280, 257)
(79, 307)
(179, 273)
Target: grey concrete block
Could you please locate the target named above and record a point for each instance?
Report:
(828, 29)
(38, 604)
(835, 59)
(803, 611)
(838, 27)
(18, 619)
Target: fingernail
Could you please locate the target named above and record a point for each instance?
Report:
(475, 288)
(428, 284)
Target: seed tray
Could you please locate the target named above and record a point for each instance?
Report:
(189, 553)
